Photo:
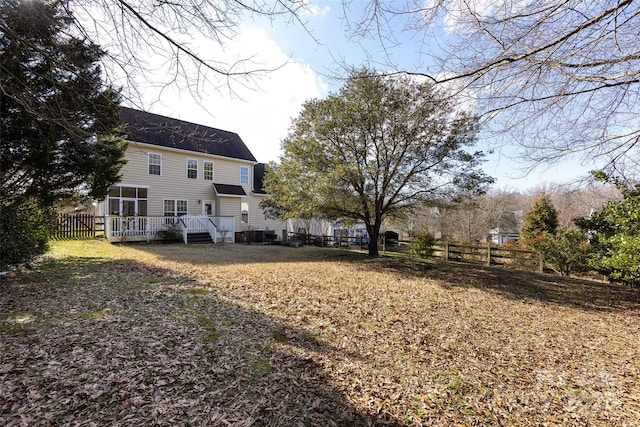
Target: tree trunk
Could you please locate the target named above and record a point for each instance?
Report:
(373, 246)
(374, 234)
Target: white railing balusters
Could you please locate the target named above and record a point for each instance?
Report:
(145, 228)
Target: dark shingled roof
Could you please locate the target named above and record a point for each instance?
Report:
(258, 178)
(229, 190)
(153, 129)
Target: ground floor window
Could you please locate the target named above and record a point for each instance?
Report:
(244, 213)
(208, 207)
(174, 207)
(127, 201)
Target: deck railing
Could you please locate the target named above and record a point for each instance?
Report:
(220, 228)
(146, 228)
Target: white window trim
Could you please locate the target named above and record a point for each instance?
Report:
(204, 163)
(149, 163)
(196, 169)
(175, 206)
(213, 206)
(123, 184)
(164, 212)
(241, 169)
(244, 204)
(186, 209)
(137, 199)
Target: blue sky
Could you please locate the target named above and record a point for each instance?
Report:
(261, 110)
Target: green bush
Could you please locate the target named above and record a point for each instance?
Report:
(542, 218)
(621, 260)
(422, 245)
(615, 236)
(172, 233)
(24, 231)
(566, 252)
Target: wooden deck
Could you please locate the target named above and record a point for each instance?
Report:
(147, 228)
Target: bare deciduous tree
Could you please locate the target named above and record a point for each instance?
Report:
(472, 217)
(557, 78)
(153, 44)
(186, 42)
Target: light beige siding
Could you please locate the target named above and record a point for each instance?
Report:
(174, 184)
(228, 172)
(230, 206)
(257, 221)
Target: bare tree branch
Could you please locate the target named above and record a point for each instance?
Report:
(182, 44)
(555, 78)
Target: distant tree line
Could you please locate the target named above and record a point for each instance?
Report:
(469, 217)
(592, 228)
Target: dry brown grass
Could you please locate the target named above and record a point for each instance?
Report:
(264, 335)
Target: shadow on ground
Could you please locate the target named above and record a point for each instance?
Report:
(517, 284)
(90, 340)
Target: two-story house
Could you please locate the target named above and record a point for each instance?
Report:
(184, 176)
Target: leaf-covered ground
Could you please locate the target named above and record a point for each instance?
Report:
(252, 335)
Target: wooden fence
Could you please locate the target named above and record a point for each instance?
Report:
(329, 241)
(490, 255)
(74, 226)
(482, 255)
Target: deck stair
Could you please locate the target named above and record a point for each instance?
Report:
(199, 238)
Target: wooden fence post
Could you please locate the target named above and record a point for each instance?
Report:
(489, 255)
(540, 263)
(446, 251)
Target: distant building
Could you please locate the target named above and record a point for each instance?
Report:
(507, 228)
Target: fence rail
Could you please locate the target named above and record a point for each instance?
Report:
(483, 255)
(490, 255)
(328, 241)
(74, 226)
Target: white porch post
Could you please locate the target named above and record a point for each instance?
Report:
(108, 228)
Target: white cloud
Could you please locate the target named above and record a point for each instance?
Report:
(315, 10)
(260, 112)
(259, 108)
(461, 15)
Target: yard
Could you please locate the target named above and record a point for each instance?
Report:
(252, 335)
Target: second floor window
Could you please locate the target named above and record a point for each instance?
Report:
(208, 170)
(155, 164)
(192, 169)
(244, 175)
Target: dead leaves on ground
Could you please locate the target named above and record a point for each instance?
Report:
(255, 335)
